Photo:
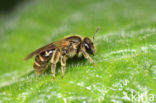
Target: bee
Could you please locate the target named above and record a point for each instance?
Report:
(60, 51)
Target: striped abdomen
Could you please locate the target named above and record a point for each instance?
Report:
(42, 61)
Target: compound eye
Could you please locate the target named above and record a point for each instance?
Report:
(87, 46)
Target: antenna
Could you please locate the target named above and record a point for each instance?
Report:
(96, 33)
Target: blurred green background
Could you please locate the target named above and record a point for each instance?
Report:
(125, 70)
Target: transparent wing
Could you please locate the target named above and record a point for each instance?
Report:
(44, 48)
(54, 45)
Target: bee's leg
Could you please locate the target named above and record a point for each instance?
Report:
(80, 53)
(63, 65)
(53, 67)
(54, 60)
(87, 57)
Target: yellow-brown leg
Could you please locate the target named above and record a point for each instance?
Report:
(63, 65)
(54, 60)
(88, 57)
(53, 67)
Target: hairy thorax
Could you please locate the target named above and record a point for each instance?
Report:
(71, 50)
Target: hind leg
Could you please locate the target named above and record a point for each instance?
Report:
(55, 58)
(63, 65)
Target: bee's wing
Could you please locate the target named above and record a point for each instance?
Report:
(50, 46)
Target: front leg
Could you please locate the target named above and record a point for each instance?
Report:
(87, 57)
(63, 65)
(54, 60)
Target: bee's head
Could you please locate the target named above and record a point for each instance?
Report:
(89, 45)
